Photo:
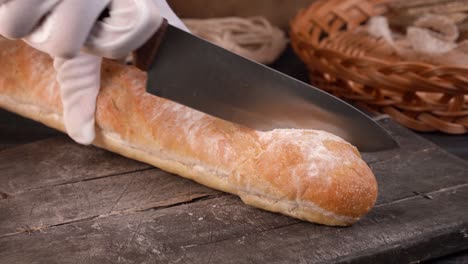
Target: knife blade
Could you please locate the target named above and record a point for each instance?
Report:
(203, 76)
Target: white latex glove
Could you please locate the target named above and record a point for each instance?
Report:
(68, 30)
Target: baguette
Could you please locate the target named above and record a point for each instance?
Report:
(306, 174)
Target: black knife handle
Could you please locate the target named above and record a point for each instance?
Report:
(143, 57)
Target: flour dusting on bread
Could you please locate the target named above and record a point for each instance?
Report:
(311, 175)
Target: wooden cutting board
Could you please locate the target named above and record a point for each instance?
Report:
(65, 203)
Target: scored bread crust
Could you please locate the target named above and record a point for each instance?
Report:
(307, 174)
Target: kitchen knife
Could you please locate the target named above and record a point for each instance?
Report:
(189, 70)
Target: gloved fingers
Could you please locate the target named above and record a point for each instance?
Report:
(79, 80)
(129, 25)
(65, 30)
(18, 18)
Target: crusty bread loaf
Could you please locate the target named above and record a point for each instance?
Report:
(310, 175)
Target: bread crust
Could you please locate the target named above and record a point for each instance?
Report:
(306, 174)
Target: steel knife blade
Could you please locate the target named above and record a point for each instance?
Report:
(203, 76)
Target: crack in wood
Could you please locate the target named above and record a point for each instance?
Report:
(425, 195)
(35, 229)
(246, 234)
(363, 255)
(191, 201)
(299, 222)
(32, 229)
(122, 249)
(88, 179)
(123, 193)
(390, 244)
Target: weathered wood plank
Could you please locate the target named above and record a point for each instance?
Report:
(456, 144)
(223, 230)
(58, 186)
(45, 207)
(57, 161)
(413, 173)
(425, 248)
(62, 203)
(113, 239)
(437, 170)
(456, 258)
(407, 141)
(391, 228)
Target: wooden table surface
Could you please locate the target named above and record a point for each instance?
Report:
(65, 203)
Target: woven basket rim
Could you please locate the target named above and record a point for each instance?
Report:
(294, 34)
(330, 62)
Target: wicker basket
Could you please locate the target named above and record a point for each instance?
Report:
(365, 70)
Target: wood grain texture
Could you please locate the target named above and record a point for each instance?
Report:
(223, 230)
(122, 194)
(57, 161)
(389, 229)
(158, 235)
(418, 172)
(65, 203)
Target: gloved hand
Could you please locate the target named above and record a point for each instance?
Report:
(69, 30)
